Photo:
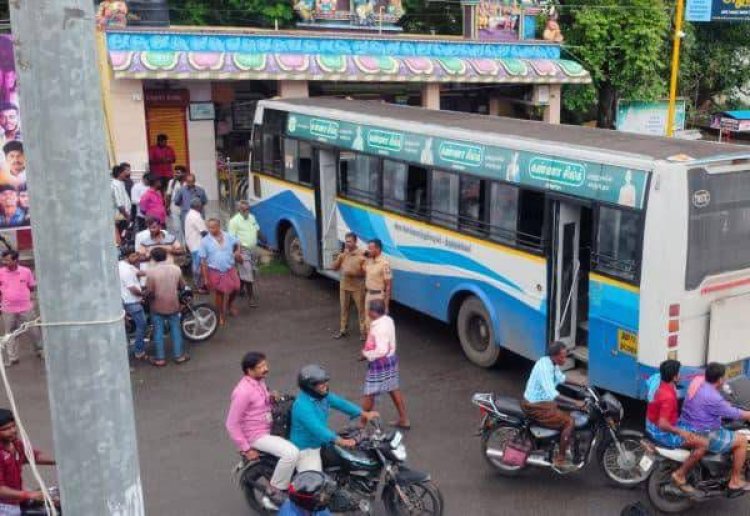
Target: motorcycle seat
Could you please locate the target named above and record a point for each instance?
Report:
(509, 405)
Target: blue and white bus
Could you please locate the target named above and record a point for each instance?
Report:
(630, 249)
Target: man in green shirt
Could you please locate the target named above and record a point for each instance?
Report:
(244, 228)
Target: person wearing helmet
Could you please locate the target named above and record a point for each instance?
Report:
(309, 494)
(310, 413)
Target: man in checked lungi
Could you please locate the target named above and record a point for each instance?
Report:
(244, 228)
(382, 367)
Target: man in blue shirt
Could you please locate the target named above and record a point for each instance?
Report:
(541, 398)
(310, 411)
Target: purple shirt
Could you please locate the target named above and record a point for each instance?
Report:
(704, 411)
(249, 415)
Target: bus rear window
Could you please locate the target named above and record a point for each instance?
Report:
(719, 224)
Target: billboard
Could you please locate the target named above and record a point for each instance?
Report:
(717, 10)
(634, 116)
(14, 196)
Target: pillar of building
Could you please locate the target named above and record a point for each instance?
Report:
(293, 89)
(552, 108)
(431, 95)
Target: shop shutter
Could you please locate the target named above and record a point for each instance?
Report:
(172, 122)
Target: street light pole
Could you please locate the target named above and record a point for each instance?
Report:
(676, 42)
(73, 226)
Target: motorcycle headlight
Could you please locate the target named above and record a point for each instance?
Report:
(396, 441)
(400, 453)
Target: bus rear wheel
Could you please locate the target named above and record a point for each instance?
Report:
(476, 333)
(295, 257)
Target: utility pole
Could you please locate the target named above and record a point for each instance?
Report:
(72, 221)
(676, 42)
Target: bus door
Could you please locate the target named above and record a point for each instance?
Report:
(566, 235)
(326, 207)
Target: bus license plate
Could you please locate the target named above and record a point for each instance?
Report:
(734, 369)
(646, 463)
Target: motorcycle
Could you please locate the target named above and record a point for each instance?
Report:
(373, 469)
(710, 477)
(35, 508)
(199, 321)
(622, 454)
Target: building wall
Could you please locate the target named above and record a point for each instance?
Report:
(129, 123)
(202, 142)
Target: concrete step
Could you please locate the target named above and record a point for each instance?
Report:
(579, 376)
(581, 354)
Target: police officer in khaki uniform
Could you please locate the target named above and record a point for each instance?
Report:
(378, 276)
(349, 263)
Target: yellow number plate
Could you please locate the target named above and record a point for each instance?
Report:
(734, 369)
(627, 342)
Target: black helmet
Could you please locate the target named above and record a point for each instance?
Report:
(311, 376)
(311, 490)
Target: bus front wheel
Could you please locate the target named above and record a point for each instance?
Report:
(295, 257)
(476, 334)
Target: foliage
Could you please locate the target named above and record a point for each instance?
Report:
(261, 13)
(423, 16)
(623, 45)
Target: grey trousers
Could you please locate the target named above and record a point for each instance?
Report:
(13, 321)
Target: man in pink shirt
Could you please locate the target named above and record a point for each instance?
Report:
(16, 284)
(249, 424)
(152, 202)
(161, 157)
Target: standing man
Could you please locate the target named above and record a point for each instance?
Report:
(218, 253)
(244, 228)
(132, 298)
(195, 230)
(136, 193)
(16, 285)
(186, 194)
(161, 157)
(378, 276)
(350, 263)
(126, 178)
(120, 200)
(163, 282)
(174, 223)
(152, 202)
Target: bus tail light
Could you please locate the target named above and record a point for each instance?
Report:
(672, 341)
(674, 310)
(674, 325)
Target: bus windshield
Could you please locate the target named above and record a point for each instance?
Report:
(719, 231)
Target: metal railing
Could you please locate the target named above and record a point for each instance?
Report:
(232, 180)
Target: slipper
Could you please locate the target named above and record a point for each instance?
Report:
(396, 424)
(182, 359)
(140, 356)
(157, 363)
(736, 490)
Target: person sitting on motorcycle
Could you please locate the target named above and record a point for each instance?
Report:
(541, 399)
(309, 495)
(661, 424)
(703, 414)
(310, 412)
(249, 425)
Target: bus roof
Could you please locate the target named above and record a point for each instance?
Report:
(597, 140)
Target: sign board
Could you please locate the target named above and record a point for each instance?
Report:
(729, 124)
(14, 195)
(717, 10)
(202, 111)
(635, 116)
(176, 98)
(568, 176)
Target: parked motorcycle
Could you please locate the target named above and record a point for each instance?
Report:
(512, 443)
(199, 321)
(373, 469)
(710, 477)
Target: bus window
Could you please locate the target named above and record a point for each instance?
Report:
(257, 152)
(272, 159)
(404, 187)
(503, 212)
(531, 208)
(471, 204)
(305, 163)
(617, 242)
(291, 155)
(362, 175)
(444, 206)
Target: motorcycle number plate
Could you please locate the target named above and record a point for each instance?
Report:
(646, 463)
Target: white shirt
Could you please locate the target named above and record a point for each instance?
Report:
(136, 193)
(194, 225)
(120, 195)
(172, 189)
(128, 278)
(381, 341)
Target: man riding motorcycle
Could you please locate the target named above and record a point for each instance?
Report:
(702, 413)
(309, 495)
(661, 424)
(541, 400)
(310, 412)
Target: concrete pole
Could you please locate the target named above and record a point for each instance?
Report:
(72, 219)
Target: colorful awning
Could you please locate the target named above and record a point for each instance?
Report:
(135, 55)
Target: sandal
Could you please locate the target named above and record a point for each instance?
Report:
(140, 356)
(396, 424)
(182, 359)
(157, 363)
(683, 486)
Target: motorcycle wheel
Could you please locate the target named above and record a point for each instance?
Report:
(623, 470)
(496, 440)
(424, 499)
(662, 500)
(253, 495)
(201, 323)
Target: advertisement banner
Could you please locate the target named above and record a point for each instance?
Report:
(717, 10)
(595, 181)
(634, 116)
(14, 197)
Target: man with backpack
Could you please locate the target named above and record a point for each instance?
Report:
(249, 425)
